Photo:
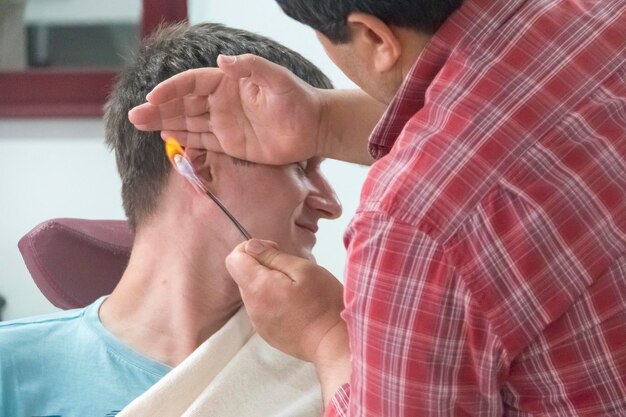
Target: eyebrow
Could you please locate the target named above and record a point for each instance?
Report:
(318, 160)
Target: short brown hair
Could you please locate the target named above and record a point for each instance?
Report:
(140, 156)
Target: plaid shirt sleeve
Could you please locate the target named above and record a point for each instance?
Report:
(339, 403)
(419, 345)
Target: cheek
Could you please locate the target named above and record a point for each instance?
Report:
(283, 203)
(267, 197)
(279, 210)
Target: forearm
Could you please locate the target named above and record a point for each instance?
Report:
(332, 361)
(349, 116)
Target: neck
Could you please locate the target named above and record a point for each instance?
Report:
(413, 44)
(172, 297)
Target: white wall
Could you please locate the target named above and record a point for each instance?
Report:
(266, 18)
(48, 169)
(62, 169)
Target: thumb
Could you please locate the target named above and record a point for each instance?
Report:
(268, 255)
(260, 71)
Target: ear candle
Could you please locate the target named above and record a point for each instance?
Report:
(183, 166)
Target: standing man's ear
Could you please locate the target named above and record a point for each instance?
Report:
(374, 41)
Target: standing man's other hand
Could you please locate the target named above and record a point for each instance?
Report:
(295, 305)
(249, 108)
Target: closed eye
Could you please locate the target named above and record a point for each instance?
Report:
(303, 166)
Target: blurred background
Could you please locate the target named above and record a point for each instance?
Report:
(57, 59)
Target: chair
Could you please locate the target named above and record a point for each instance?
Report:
(76, 261)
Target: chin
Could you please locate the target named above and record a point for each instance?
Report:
(307, 254)
(301, 251)
(301, 247)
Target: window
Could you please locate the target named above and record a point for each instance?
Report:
(75, 91)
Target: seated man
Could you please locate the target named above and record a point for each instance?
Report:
(175, 293)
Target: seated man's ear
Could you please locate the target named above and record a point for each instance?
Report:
(201, 162)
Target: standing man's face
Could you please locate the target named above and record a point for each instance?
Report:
(279, 203)
(377, 57)
(358, 65)
(347, 59)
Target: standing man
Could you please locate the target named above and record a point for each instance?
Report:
(486, 270)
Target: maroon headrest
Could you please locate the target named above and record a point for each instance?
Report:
(76, 261)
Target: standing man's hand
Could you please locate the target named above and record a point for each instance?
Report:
(249, 108)
(295, 306)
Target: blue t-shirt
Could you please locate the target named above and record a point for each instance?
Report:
(67, 364)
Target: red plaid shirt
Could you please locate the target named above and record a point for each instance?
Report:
(486, 270)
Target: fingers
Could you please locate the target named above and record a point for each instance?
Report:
(199, 82)
(204, 81)
(144, 115)
(241, 66)
(268, 255)
(189, 106)
(189, 113)
(196, 124)
(245, 269)
(204, 140)
(235, 66)
(187, 94)
(261, 72)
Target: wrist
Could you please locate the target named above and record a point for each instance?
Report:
(347, 118)
(332, 360)
(324, 144)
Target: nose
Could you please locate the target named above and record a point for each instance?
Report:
(323, 199)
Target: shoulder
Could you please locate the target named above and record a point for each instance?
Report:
(34, 330)
(43, 320)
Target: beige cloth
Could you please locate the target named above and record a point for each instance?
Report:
(234, 373)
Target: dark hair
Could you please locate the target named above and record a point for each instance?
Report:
(330, 16)
(141, 160)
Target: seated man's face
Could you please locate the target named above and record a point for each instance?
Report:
(279, 203)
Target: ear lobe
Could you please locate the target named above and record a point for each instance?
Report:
(201, 163)
(375, 41)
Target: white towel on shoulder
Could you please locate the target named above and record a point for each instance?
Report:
(233, 374)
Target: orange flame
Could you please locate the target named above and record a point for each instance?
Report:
(173, 148)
